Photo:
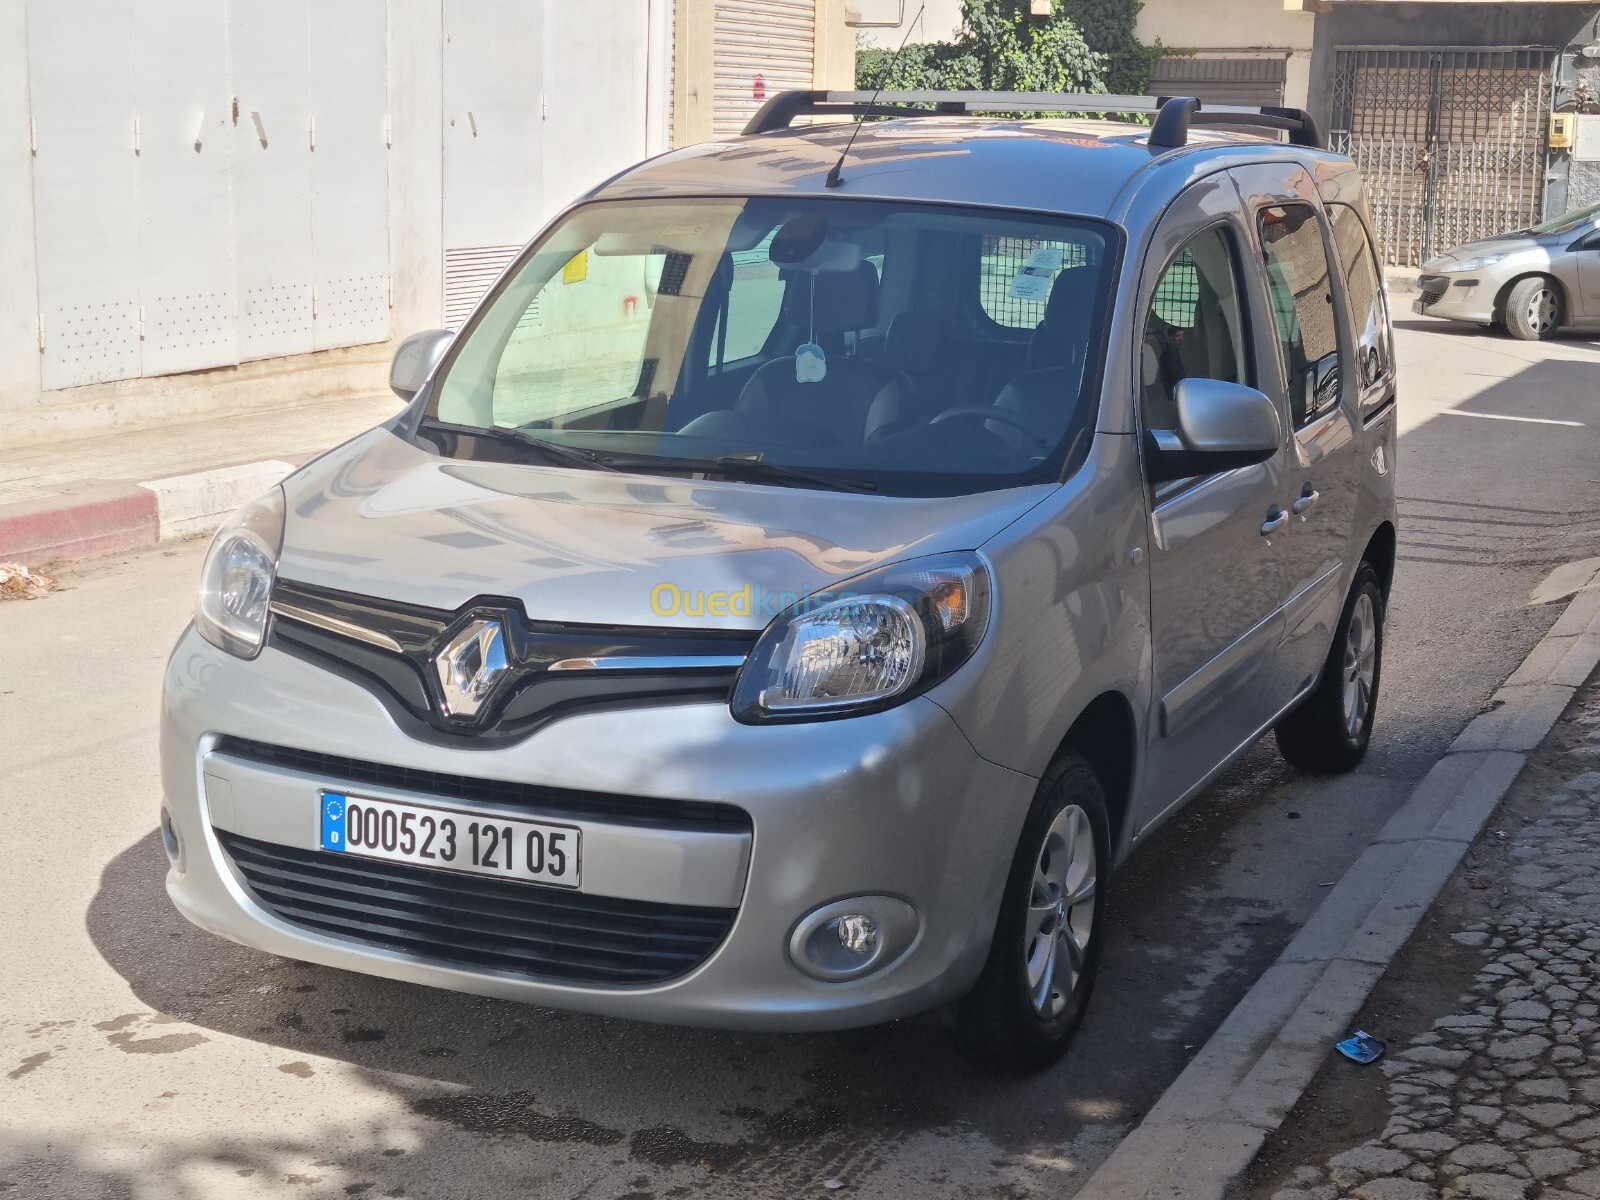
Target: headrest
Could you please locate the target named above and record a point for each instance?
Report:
(1072, 296)
(918, 341)
(1068, 314)
(845, 301)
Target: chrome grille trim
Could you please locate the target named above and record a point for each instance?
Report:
(349, 629)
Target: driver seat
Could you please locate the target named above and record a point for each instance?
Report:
(857, 396)
(1048, 393)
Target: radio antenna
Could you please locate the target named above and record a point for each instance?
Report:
(835, 178)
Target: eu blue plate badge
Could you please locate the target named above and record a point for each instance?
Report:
(333, 806)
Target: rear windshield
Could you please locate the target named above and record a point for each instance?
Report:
(902, 349)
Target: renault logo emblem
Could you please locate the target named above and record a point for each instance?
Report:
(470, 667)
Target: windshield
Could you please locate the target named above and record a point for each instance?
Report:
(1568, 221)
(902, 349)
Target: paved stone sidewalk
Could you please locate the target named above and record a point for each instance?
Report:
(1501, 1099)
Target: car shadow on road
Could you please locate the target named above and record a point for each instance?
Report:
(1448, 328)
(756, 1114)
(786, 1095)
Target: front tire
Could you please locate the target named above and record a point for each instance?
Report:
(1328, 732)
(1533, 309)
(1035, 985)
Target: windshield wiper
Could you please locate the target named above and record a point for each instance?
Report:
(739, 466)
(576, 455)
(757, 468)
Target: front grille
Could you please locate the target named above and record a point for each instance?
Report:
(1433, 288)
(487, 924)
(389, 649)
(333, 769)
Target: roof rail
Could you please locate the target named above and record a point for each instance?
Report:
(1173, 114)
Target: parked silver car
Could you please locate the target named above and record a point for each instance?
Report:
(1534, 282)
(808, 574)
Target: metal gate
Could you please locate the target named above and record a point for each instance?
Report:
(1451, 141)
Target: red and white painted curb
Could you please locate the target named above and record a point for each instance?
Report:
(123, 516)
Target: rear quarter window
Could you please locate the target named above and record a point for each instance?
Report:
(1369, 309)
(1298, 278)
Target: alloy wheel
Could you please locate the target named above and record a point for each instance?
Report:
(1360, 663)
(1542, 309)
(1060, 911)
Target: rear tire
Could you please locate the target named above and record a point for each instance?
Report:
(1329, 731)
(1534, 309)
(1035, 985)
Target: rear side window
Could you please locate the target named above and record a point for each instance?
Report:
(1369, 312)
(1302, 303)
(1195, 326)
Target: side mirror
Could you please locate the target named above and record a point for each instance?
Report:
(415, 359)
(1221, 427)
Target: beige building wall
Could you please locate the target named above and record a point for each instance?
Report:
(694, 62)
(1237, 29)
(836, 47)
(885, 21)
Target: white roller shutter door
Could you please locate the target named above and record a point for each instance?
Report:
(763, 47)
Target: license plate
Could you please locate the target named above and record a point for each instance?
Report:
(451, 839)
(1417, 306)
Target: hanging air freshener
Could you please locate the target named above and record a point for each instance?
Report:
(810, 363)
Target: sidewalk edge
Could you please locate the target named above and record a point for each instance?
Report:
(95, 518)
(1210, 1123)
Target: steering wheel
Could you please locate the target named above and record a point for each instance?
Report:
(979, 413)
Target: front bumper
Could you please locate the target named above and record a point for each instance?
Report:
(895, 803)
(1457, 298)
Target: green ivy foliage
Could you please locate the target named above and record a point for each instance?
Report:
(1108, 28)
(1083, 46)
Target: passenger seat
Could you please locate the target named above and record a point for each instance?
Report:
(1061, 338)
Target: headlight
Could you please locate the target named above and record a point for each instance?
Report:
(867, 644)
(1474, 264)
(236, 581)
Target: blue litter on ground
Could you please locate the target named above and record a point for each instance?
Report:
(1360, 1047)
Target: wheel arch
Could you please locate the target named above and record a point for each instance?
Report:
(1107, 735)
(1503, 296)
(1380, 552)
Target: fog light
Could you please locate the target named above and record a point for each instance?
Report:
(170, 842)
(858, 933)
(850, 938)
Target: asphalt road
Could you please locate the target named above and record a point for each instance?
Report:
(143, 1058)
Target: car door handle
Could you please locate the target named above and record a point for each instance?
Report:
(1307, 498)
(1276, 520)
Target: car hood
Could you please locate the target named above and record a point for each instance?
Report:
(382, 517)
(1505, 243)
